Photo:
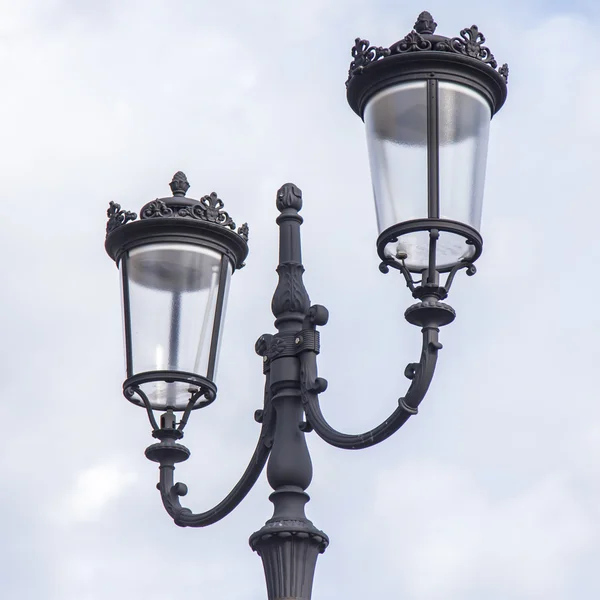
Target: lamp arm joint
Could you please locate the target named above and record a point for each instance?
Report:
(420, 374)
(171, 492)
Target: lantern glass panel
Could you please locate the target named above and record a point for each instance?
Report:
(173, 297)
(464, 125)
(397, 136)
(396, 125)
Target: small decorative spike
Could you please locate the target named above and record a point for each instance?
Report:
(243, 231)
(180, 185)
(425, 23)
(117, 217)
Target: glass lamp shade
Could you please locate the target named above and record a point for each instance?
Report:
(174, 297)
(427, 143)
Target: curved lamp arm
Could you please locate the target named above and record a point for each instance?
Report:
(430, 314)
(168, 452)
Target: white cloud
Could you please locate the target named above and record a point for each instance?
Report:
(452, 537)
(96, 489)
(105, 101)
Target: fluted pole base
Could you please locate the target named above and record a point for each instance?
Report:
(289, 550)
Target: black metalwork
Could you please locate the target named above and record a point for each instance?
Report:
(209, 208)
(473, 240)
(425, 23)
(243, 231)
(180, 184)
(289, 544)
(470, 44)
(168, 452)
(422, 54)
(220, 307)
(117, 217)
(178, 219)
(364, 54)
(433, 151)
(204, 390)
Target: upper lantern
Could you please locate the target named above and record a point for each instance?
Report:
(427, 102)
(175, 265)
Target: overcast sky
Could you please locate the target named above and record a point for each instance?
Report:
(493, 491)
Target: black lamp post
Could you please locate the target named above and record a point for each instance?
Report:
(427, 102)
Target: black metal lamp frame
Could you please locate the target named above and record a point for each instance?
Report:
(289, 544)
(177, 220)
(424, 56)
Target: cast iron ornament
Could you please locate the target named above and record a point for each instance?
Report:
(289, 544)
(117, 216)
(425, 23)
(422, 38)
(180, 185)
(363, 54)
(209, 209)
(289, 196)
(243, 231)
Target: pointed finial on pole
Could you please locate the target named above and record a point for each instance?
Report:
(289, 196)
(180, 185)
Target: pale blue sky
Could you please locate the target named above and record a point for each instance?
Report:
(492, 491)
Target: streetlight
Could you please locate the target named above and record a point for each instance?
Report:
(427, 102)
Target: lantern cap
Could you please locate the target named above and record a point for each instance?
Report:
(177, 216)
(376, 67)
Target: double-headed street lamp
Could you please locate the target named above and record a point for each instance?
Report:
(427, 102)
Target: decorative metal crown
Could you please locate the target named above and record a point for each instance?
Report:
(208, 208)
(422, 38)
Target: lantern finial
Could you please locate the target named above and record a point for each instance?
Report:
(180, 185)
(425, 23)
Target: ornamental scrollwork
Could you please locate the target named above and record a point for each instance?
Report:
(243, 231)
(363, 54)
(471, 45)
(156, 208)
(290, 294)
(411, 43)
(276, 347)
(117, 216)
(209, 209)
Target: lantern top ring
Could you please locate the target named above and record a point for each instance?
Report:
(177, 219)
(422, 54)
